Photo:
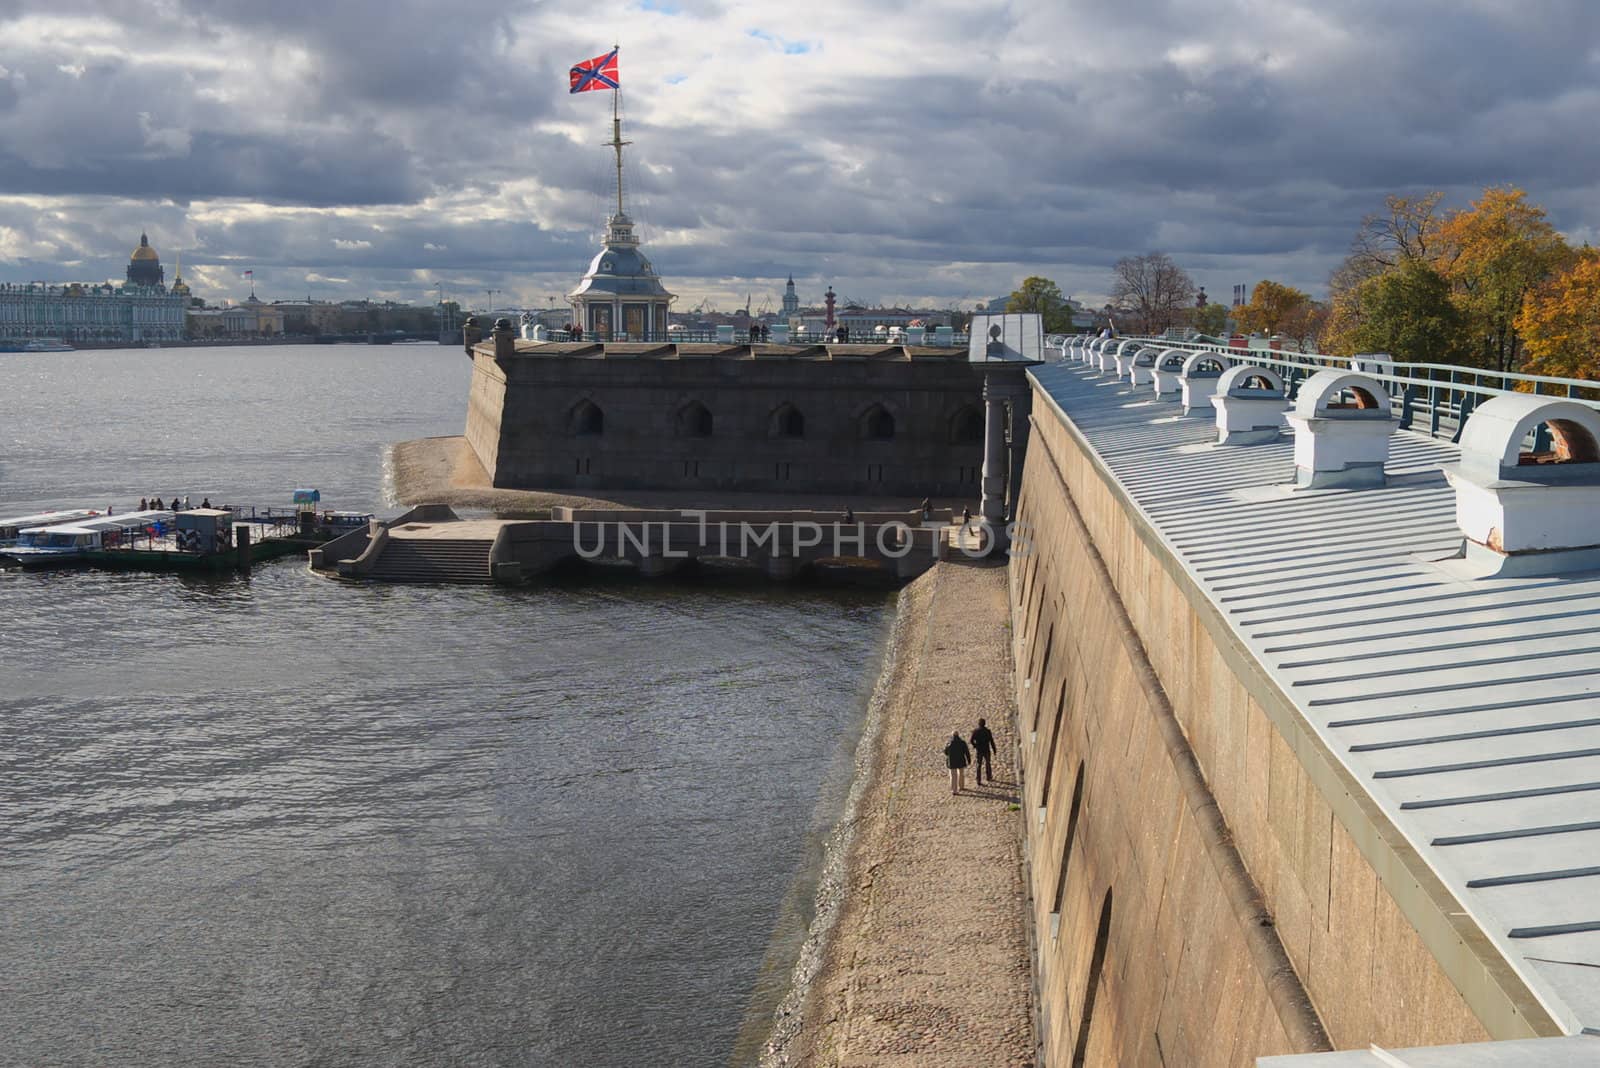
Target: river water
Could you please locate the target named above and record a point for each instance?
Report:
(275, 819)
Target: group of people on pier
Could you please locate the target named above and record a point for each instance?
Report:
(176, 504)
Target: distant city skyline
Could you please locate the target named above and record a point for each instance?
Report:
(929, 157)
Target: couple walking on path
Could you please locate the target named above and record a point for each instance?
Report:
(957, 756)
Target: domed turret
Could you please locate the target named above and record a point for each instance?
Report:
(180, 288)
(144, 266)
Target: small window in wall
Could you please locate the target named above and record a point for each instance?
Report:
(1066, 854)
(587, 420)
(966, 427)
(1097, 964)
(877, 424)
(694, 421)
(788, 422)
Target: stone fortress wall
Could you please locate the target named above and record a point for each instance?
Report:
(1195, 896)
(891, 420)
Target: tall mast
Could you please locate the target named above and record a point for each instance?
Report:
(616, 141)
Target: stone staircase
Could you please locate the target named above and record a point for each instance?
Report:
(452, 560)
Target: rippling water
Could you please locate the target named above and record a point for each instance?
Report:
(279, 820)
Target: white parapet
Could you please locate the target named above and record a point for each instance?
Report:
(1198, 381)
(1250, 403)
(1525, 512)
(1166, 376)
(1342, 423)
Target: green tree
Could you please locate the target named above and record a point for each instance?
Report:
(1043, 298)
(1408, 312)
(1211, 320)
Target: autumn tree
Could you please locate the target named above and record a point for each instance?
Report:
(1043, 298)
(1560, 322)
(1408, 312)
(1155, 292)
(1495, 253)
(1271, 307)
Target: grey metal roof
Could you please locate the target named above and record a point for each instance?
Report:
(1575, 1052)
(1469, 708)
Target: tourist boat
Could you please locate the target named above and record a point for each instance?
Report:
(38, 344)
(69, 543)
(11, 529)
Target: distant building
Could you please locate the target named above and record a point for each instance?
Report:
(791, 301)
(142, 309)
(861, 321)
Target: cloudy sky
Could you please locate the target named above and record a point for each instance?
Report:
(933, 151)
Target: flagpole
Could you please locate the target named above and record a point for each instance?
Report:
(616, 132)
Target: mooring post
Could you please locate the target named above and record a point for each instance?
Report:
(471, 334)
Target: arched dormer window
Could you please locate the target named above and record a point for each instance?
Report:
(586, 420)
(877, 424)
(694, 421)
(788, 422)
(966, 426)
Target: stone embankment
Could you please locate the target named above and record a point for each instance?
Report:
(919, 955)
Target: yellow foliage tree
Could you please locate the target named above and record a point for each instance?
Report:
(1495, 253)
(1560, 322)
(1272, 307)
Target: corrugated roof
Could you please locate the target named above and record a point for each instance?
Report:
(1470, 708)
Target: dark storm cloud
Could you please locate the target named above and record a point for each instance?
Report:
(1246, 139)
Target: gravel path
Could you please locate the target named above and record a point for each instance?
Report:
(926, 960)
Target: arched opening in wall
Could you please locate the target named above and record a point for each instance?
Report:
(877, 424)
(966, 426)
(1570, 443)
(1066, 855)
(586, 420)
(788, 422)
(694, 421)
(1259, 382)
(1097, 964)
(1358, 398)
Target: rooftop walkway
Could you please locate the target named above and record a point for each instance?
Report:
(1468, 707)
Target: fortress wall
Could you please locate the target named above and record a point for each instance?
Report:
(1145, 903)
(485, 406)
(520, 424)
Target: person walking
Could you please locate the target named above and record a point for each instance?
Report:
(957, 756)
(983, 748)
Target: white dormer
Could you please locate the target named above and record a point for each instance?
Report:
(1250, 403)
(1198, 381)
(1524, 512)
(1167, 373)
(1341, 422)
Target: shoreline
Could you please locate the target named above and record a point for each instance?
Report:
(918, 953)
(789, 1015)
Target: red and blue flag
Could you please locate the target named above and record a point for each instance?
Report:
(597, 73)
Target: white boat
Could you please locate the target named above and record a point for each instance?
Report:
(61, 543)
(11, 528)
(38, 344)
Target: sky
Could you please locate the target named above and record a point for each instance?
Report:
(931, 152)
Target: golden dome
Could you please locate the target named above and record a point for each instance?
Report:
(144, 251)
